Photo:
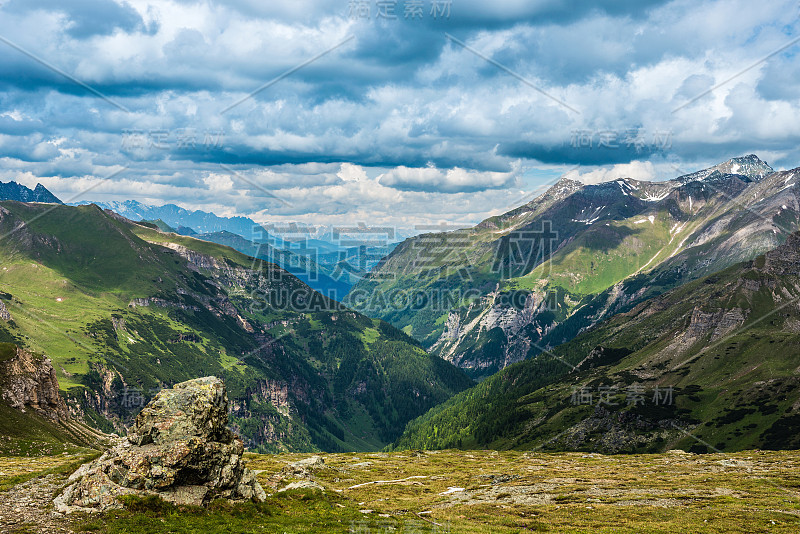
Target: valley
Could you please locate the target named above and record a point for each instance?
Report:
(124, 310)
(426, 266)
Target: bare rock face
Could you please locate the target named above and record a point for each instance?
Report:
(4, 315)
(29, 383)
(785, 260)
(180, 450)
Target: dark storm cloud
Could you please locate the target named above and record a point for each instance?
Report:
(579, 155)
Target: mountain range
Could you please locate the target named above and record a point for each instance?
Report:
(20, 193)
(710, 366)
(123, 310)
(196, 221)
(625, 316)
(531, 279)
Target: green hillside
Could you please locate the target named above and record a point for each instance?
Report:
(709, 366)
(123, 310)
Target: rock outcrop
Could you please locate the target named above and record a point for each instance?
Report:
(29, 383)
(4, 315)
(180, 450)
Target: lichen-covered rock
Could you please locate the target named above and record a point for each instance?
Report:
(180, 450)
(197, 408)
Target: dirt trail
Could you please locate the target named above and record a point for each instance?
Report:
(28, 507)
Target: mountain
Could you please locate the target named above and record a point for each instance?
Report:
(530, 279)
(20, 193)
(330, 267)
(709, 366)
(752, 168)
(123, 310)
(175, 216)
(318, 277)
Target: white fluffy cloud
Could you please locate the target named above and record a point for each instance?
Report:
(638, 170)
(455, 180)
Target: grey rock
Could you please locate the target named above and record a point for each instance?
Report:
(303, 484)
(180, 450)
(4, 314)
(29, 383)
(313, 462)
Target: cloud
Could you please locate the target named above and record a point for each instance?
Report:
(455, 180)
(218, 183)
(638, 170)
(399, 116)
(84, 18)
(351, 173)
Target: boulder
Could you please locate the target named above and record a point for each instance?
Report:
(180, 449)
(197, 408)
(313, 462)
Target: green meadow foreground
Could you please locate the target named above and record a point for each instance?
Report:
(451, 491)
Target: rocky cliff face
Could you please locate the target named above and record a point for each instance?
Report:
(784, 260)
(29, 383)
(523, 324)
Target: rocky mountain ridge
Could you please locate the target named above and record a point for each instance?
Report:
(29, 383)
(14, 191)
(538, 275)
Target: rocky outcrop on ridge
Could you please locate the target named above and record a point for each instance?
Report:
(29, 383)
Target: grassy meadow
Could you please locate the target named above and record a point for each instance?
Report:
(480, 491)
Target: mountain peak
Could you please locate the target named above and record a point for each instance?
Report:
(14, 191)
(749, 166)
(564, 187)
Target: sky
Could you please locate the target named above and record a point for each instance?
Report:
(406, 112)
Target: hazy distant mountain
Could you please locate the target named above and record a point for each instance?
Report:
(175, 217)
(20, 193)
(318, 277)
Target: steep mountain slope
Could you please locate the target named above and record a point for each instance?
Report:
(711, 365)
(123, 310)
(534, 277)
(18, 192)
